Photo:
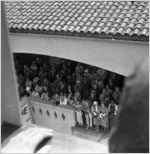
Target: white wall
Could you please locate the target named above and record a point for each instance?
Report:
(9, 93)
(57, 124)
(117, 56)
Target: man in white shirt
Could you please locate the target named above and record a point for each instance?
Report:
(63, 99)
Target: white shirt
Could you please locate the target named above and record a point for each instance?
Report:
(64, 101)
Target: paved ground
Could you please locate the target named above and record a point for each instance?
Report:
(62, 143)
(71, 144)
(90, 134)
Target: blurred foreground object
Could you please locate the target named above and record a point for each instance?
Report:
(28, 139)
(9, 94)
(131, 134)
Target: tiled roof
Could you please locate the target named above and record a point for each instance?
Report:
(103, 19)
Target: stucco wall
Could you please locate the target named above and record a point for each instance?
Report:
(117, 56)
(49, 120)
(9, 93)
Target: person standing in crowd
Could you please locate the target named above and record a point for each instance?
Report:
(86, 86)
(97, 91)
(116, 79)
(39, 89)
(78, 111)
(45, 82)
(55, 87)
(45, 95)
(100, 84)
(35, 81)
(69, 80)
(38, 62)
(35, 93)
(63, 73)
(95, 109)
(70, 95)
(116, 94)
(103, 116)
(62, 87)
(78, 107)
(108, 94)
(78, 72)
(110, 83)
(70, 99)
(26, 71)
(28, 85)
(69, 89)
(52, 72)
(18, 65)
(63, 99)
(102, 74)
(41, 74)
(56, 99)
(87, 75)
(34, 69)
(91, 99)
(22, 91)
(102, 96)
(77, 87)
(73, 79)
(21, 79)
(113, 112)
(86, 112)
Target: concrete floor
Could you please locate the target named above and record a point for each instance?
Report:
(71, 144)
(62, 143)
(90, 134)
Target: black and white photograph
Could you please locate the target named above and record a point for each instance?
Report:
(74, 76)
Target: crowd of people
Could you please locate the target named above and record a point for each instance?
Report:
(92, 91)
